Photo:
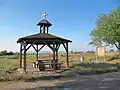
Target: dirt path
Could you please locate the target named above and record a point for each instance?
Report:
(109, 81)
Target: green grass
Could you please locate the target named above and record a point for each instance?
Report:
(8, 64)
(97, 68)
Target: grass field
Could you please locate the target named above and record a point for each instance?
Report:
(8, 64)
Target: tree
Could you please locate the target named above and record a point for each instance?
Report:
(3, 52)
(71, 51)
(107, 29)
(90, 51)
(10, 53)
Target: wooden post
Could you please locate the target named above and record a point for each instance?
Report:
(37, 52)
(44, 29)
(47, 29)
(57, 66)
(66, 48)
(25, 56)
(54, 56)
(20, 55)
(56, 49)
(57, 55)
(67, 54)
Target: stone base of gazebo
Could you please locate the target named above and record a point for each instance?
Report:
(47, 71)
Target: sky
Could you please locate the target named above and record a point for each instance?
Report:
(71, 19)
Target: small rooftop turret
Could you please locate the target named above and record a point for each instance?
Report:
(44, 24)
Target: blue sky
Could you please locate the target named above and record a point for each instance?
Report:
(72, 19)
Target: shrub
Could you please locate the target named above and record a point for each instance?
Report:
(115, 57)
(10, 53)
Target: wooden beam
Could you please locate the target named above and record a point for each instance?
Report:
(28, 47)
(34, 47)
(58, 47)
(67, 55)
(65, 46)
(47, 29)
(50, 46)
(37, 51)
(54, 66)
(55, 47)
(57, 56)
(23, 47)
(57, 51)
(41, 47)
(40, 29)
(20, 55)
(25, 57)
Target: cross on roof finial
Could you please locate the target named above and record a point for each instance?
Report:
(44, 15)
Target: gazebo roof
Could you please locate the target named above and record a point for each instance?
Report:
(44, 22)
(40, 38)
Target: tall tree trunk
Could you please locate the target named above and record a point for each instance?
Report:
(118, 47)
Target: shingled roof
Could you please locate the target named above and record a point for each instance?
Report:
(44, 22)
(41, 37)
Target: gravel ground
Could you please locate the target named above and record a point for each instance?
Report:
(108, 81)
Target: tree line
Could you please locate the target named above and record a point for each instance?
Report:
(80, 52)
(5, 52)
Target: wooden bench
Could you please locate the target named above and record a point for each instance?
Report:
(50, 62)
(58, 65)
(46, 63)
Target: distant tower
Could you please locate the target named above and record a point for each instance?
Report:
(44, 24)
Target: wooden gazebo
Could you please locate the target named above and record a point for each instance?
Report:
(41, 39)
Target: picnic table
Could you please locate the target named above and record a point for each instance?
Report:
(48, 63)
